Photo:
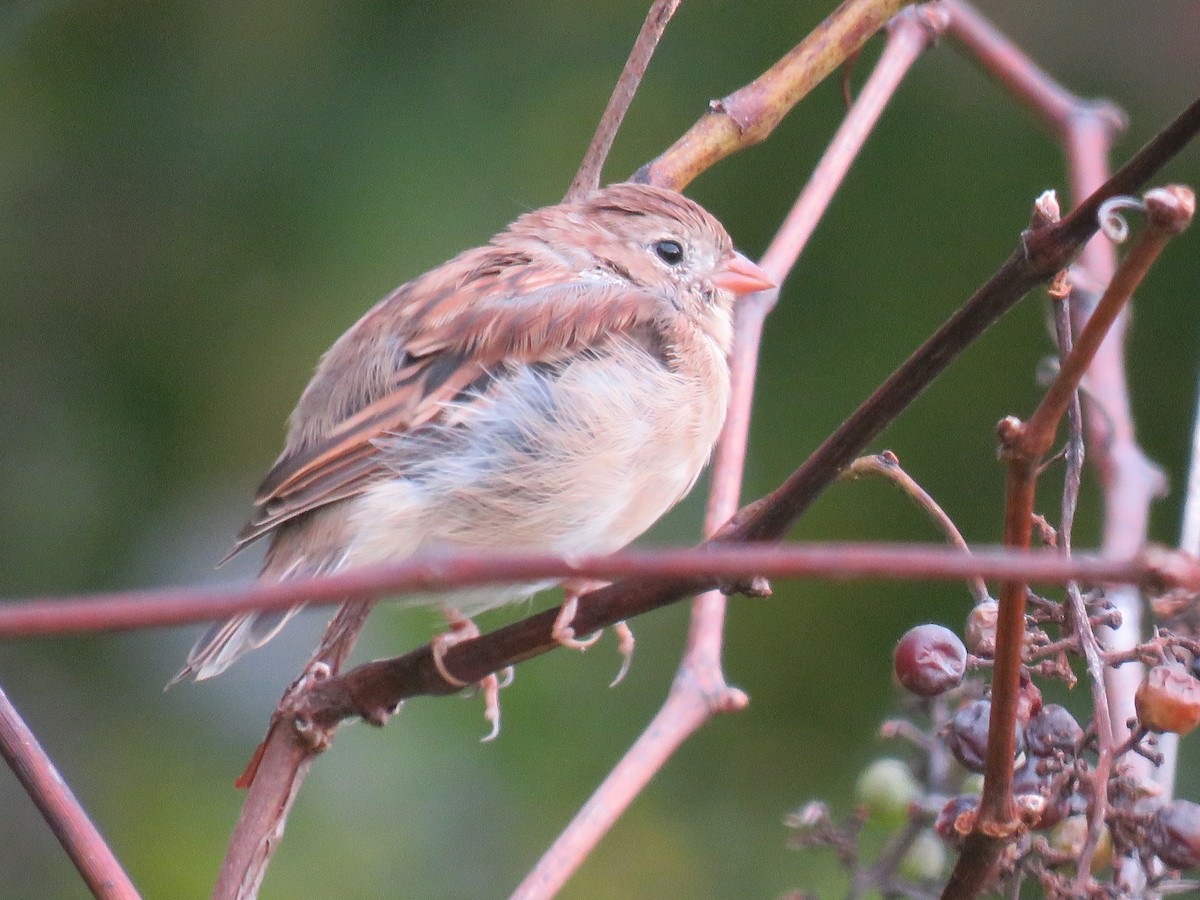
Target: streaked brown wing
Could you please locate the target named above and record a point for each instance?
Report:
(455, 336)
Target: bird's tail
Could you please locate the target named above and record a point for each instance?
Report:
(225, 642)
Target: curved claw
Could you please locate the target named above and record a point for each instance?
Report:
(491, 706)
(625, 645)
(463, 629)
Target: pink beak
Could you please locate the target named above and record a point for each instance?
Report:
(741, 276)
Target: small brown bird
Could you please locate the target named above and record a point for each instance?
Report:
(556, 391)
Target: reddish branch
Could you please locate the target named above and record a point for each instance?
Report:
(727, 562)
(67, 819)
(374, 689)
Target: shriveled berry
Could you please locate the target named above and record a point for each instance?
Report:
(925, 859)
(886, 788)
(1027, 782)
(1168, 700)
(1174, 834)
(929, 660)
(1029, 700)
(956, 820)
(967, 735)
(1052, 730)
(1070, 837)
(981, 628)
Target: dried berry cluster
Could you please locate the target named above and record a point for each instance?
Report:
(1134, 843)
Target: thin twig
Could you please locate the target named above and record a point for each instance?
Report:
(1077, 616)
(79, 837)
(280, 765)
(1169, 211)
(588, 177)
(886, 465)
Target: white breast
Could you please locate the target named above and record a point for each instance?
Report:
(576, 461)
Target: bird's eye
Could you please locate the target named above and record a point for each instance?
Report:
(670, 252)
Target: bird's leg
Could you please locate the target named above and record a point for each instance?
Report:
(463, 629)
(562, 630)
(565, 634)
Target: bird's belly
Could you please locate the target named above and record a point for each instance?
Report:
(578, 463)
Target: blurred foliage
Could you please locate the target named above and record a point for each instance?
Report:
(196, 198)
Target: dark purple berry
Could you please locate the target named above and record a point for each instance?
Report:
(929, 660)
(1174, 834)
(1027, 782)
(968, 735)
(1052, 730)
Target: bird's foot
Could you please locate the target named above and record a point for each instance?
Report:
(463, 629)
(564, 634)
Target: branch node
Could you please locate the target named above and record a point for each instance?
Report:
(933, 17)
(1029, 809)
(730, 700)
(1060, 288)
(754, 586)
(1107, 113)
(378, 716)
(1046, 210)
(743, 119)
(1171, 208)
(1010, 431)
(314, 737)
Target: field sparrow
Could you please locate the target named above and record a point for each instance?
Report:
(556, 390)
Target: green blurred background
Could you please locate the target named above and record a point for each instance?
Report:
(197, 198)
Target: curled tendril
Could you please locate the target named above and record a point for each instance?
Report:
(1112, 223)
